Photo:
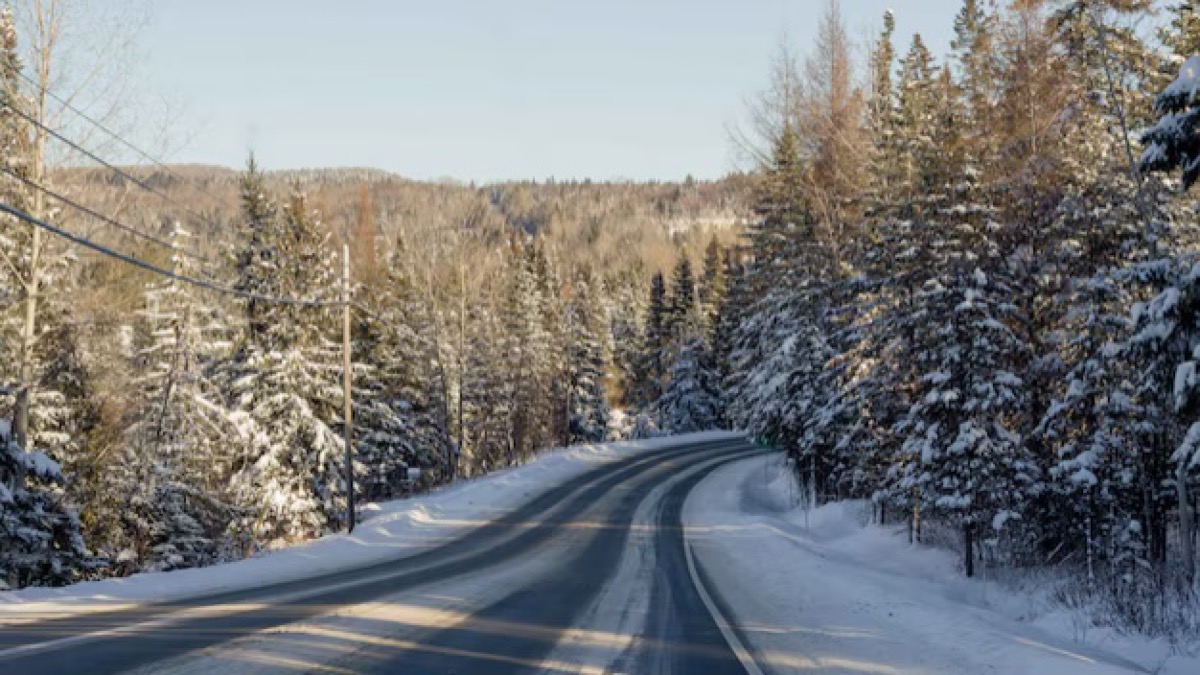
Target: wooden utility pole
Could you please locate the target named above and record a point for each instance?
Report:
(347, 411)
(456, 453)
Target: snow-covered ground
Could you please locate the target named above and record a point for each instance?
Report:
(823, 590)
(391, 530)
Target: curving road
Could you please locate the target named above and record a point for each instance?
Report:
(591, 576)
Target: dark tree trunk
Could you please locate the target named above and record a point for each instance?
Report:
(969, 553)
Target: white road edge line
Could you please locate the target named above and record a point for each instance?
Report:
(731, 637)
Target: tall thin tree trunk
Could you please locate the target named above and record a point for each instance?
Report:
(25, 382)
(1091, 545)
(1186, 525)
(915, 535)
(969, 552)
(26, 375)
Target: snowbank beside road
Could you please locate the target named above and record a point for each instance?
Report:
(824, 590)
(390, 531)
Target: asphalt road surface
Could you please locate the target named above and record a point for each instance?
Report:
(591, 576)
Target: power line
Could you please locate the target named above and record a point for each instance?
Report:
(370, 314)
(150, 267)
(108, 132)
(88, 153)
(100, 216)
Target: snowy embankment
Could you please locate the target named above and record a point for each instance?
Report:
(391, 530)
(823, 589)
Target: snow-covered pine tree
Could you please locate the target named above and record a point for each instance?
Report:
(384, 435)
(656, 343)
(943, 338)
(847, 401)
(1172, 141)
(627, 312)
(586, 362)
(691, 400)
(530, 363)
(1099, 476)
(917, 124)
(773, 241)
(728, 316)
(763, 319)
(258, 263)
(557, 416)
(399, 421)
(487, 393)
(714, 286)
(888, 157)
(1076, 303)
(176, 446)
(968, 458)
(1168, 326)
(1166, 420)
(40, 541)
(682, 316)
(284, 378)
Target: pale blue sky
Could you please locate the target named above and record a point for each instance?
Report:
(484, 90)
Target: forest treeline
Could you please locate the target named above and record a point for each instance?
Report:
(970, 295)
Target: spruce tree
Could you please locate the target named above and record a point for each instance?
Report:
(176, 447)
(530, 363)
(656, 344)
(283, 380)
(488, 394)
(691, 401)
(1172, 142)
(586, 363)
(399, 421)
(783, 225)
(889, 151)
(258, 260)
(973, 48)
(627, 312)
(681, 311)
(40, 541)
(1168, 325)
(917, 119)
(713, 285)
